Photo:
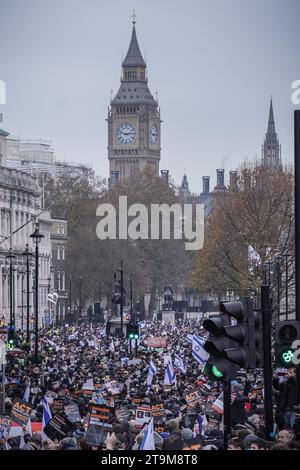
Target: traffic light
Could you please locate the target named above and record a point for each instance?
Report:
(285, 334)
(218, 367)
(11, 339)
(258, 336)
(133, 331)
(233, 343)
(242, 332)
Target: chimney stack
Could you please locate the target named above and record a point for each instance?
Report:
(164, 174)
(205, 184)
(233, 179)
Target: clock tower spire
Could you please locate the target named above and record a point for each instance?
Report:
(133, 120)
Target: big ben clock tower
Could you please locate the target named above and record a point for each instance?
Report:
(133, 120)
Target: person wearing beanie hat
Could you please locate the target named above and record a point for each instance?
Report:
(174, 440)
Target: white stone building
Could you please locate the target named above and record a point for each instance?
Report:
(20, 208)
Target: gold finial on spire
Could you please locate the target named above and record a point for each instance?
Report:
(133, 16)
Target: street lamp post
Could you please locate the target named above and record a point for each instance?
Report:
(11, 256)
(131, 301)
(57, 321)
(37, 237)
(122, 297)
(80, 298)
(22, 273)
(27, 254)
(70, 297)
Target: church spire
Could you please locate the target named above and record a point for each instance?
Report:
(134, 56)
(271, 149)
(271, 122)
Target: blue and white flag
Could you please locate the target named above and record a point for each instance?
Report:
(27, 393)
(152, 368)
(46, 413)
(198, 352)
(179, 364)
(148, 437)
(170, 377)
(149, 379)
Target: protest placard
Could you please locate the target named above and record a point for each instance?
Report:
(158, 342)
(58, 427)
(101, 414)
(72, 412)
(143, 415)
(158, 410)
(5, 424)
(192, 396)
(21, 412)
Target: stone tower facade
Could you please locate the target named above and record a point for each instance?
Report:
(134, 123)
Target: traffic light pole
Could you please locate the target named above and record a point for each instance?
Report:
(268, 377)
(297, 226)
(227, 411)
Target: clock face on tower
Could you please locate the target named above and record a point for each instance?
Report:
(126, 133)
(153, 134)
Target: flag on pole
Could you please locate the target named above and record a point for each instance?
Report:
(179, 364)
(170, 377)
(152, 368)
(29, 428)
(198, 352)
(149, 379)
(27, 393)
(47, 415)
(148, 437)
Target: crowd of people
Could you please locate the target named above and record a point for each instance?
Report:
(105, 395)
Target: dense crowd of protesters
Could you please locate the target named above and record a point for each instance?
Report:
(83, 365)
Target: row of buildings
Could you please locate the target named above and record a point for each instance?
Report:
(21, 208)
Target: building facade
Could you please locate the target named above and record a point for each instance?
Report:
(20, 207)
(59, 239)
(134, 123)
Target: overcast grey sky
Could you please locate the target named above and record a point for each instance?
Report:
(214, 64)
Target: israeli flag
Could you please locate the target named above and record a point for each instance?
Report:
(170, 377)
(149, 379)
(179, 364)
(27, 393)
(152, 368)
(198, 352)
(46, 413)
(148, 437)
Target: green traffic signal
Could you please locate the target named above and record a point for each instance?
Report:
(286, 357)
(131, 336)
(216, 372)
(136, 336)
(287, 331)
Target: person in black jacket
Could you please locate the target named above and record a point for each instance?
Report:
(287, 398)
(238, 411)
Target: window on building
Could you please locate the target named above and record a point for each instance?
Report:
(58, 228)
(63, 229)
(63, 252)
(63, 286)
(58, 252)
(58, 280)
